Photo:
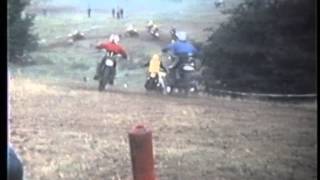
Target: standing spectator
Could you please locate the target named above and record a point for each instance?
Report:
(118, 14)
(89, 12)
(121, 13)
(44, 11)
(113, 13)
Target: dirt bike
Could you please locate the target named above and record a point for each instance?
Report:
(190, 78)
(156, 82)
(154, 32)
(107, 71)
(132, 33)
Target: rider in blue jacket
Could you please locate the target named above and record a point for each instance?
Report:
(180, 48)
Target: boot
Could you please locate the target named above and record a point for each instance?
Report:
(177, 74)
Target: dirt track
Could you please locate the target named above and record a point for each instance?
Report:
(79, 133)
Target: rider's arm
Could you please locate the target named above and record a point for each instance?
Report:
(147, 64)
(123, 52)
(195, 51)
(100, 46)
(168, 47)
(163, 68)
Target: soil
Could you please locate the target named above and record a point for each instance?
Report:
(74, 132)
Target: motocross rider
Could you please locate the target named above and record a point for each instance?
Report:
(156, 68)
(180, 48)
(131, 29)
(110, 46)
(152, 28)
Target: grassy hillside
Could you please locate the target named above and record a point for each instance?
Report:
(59, 61)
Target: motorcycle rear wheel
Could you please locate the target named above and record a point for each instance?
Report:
(105, 79)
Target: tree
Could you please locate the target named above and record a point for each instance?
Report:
(20, 38)
(266, 46)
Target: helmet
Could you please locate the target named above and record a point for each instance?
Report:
(182, 36)
(173, 29)
(150, 23)
(130, 27)
(114, 38)
(156, 57)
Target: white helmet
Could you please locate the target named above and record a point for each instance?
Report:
(150, 23)
(129, 27)
(114, 38)
(182, 36)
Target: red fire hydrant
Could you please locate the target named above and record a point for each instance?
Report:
(140, 139)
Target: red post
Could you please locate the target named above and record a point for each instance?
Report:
(140, 139)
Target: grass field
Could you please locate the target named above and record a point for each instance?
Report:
(59, 61)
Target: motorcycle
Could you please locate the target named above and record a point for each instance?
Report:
(132, 33)
(156, 82)
(107, 71)
(153, 31)
(190, 76)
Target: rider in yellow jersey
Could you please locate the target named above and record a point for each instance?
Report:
(156, 68)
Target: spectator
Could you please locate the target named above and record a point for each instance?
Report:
(121, 13)
(44, 11)
(118, 14)
(89, 12)
(113, 13)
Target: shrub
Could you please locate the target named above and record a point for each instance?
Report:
(266, 46)
(20, 39)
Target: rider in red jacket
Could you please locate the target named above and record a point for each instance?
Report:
(110, 46)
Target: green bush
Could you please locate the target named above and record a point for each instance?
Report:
(20, 39)
(266, 46)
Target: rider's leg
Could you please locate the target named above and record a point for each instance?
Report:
(96, 76)
(98, 70)
(160, 79)
(114, 73)
(178, 70)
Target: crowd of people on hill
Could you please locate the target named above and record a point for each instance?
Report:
(117, 13)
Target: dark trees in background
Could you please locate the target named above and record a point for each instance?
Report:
(265, 46)
(20, 38)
